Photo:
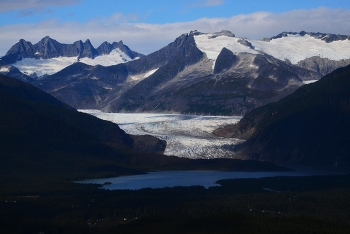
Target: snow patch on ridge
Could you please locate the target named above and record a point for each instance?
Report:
(144, 75)
(150, 72)
(4, 69)
(309, 81)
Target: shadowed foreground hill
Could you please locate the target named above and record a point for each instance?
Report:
(310, 126)
(41, 135)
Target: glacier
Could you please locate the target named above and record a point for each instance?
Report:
(189, 136)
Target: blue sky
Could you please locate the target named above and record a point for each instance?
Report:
(146, 26)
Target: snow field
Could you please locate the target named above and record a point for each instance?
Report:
(188, 136)
(293, 47)
(296, 48)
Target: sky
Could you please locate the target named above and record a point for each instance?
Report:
(147, 26)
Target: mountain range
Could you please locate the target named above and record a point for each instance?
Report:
(310, 126)
(199, 73)
(48, 56)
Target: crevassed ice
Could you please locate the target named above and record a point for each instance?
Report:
(188, 136)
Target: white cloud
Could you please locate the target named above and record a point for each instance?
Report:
(10, 5)
(147, 38)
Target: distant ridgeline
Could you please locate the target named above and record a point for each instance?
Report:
(327, 37)
(49, 48)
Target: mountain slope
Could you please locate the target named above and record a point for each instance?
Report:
(40, 134)
(310, 126)
(236, 83)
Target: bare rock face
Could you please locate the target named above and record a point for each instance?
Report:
(223, 33)
(322, 65)
(224, 61)
(245, 43)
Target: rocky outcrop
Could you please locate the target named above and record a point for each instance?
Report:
(222, 33)
(148, 144)
(245, 43)
(224, 61)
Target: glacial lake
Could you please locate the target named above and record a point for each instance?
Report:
(207, 179)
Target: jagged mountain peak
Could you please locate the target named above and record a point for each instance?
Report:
(44, 49)
(87, 41)
(48, 48)
(46, 38)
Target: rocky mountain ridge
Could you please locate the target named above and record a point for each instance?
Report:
(327, 37)
(48, 48)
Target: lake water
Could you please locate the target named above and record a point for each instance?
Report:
(207, 179)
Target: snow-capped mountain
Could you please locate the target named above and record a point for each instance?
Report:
(292, 47)
(211, 73)
(49, 56)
